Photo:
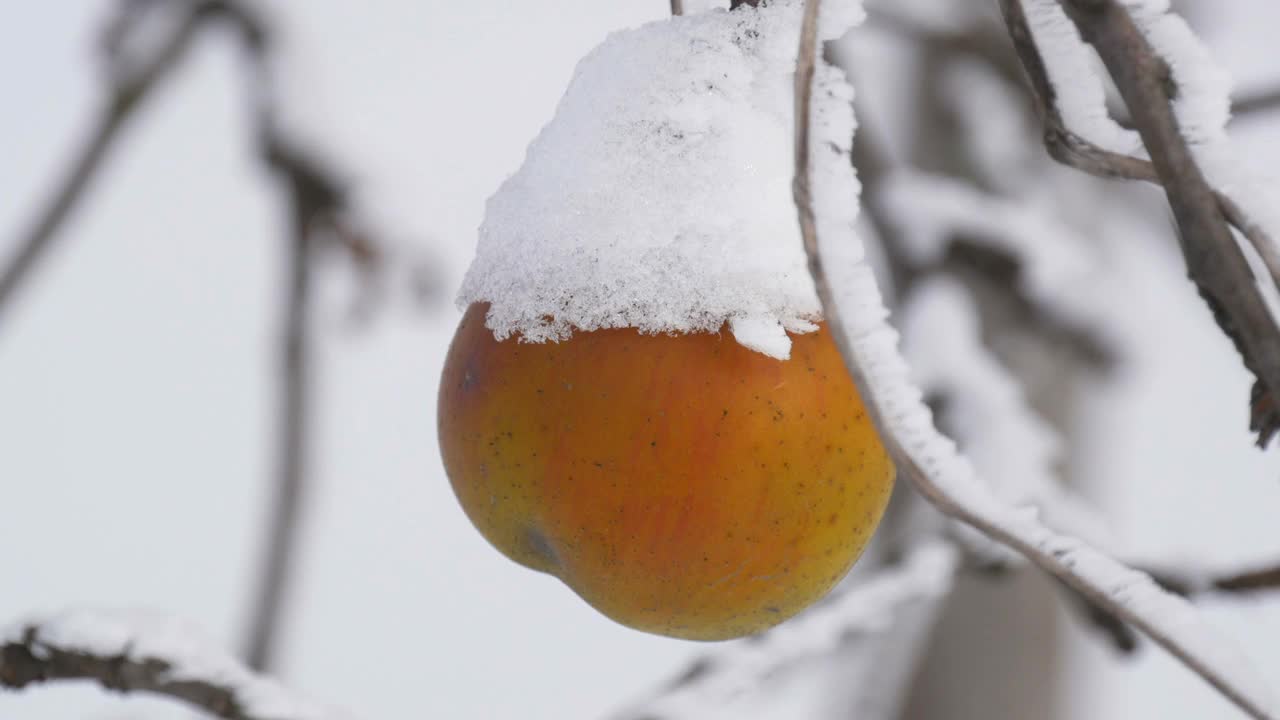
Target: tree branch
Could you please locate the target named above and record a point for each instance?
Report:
(130, 88)
(135, 653)
(316, 202)
(944, 478)
(1214, 260)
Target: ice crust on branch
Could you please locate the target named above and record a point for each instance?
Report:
(658, 197)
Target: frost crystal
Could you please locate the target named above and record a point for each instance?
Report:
(658, 197)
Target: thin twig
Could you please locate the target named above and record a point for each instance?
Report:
(315, 201)
(1256, 103)
(1190, 585)
(127, 94)
(1064, 558)
(293, 435)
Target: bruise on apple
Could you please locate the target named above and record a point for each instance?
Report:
(681, 484)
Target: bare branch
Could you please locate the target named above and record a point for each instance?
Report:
(134, 653)
(128, 92)
(316, 201)
(317, 205)
(931, 465)
(293, 434)
(1256, 103)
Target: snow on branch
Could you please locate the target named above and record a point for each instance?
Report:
(878, 626)
(130, 652)
(1179, 102)
(1012, 446)
(852, 304)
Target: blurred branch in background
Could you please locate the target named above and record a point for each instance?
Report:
(319, 218)
(1261, 101)
(142, 653)
(130, 82)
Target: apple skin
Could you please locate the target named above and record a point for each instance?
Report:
(681, 484)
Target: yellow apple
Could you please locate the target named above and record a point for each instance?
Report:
(680, 484)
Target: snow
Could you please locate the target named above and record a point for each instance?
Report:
(658, 195)
(1010, 445)
(1054, 260)
(1202, 105)
(141, 636)
(1073, 70)
(949, 479)
(868, 615)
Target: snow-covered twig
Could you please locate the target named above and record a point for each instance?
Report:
(132, 652)
(1204, 215)
(883, 620)
(947, 480)
(1073, 150)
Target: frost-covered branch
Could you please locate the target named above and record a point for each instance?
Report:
(932, 465)
(1204, 215)
(1187, 582)
(130, 652)
(877, 626)
(1073, 150)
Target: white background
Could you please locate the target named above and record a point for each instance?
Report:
(136, 376)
